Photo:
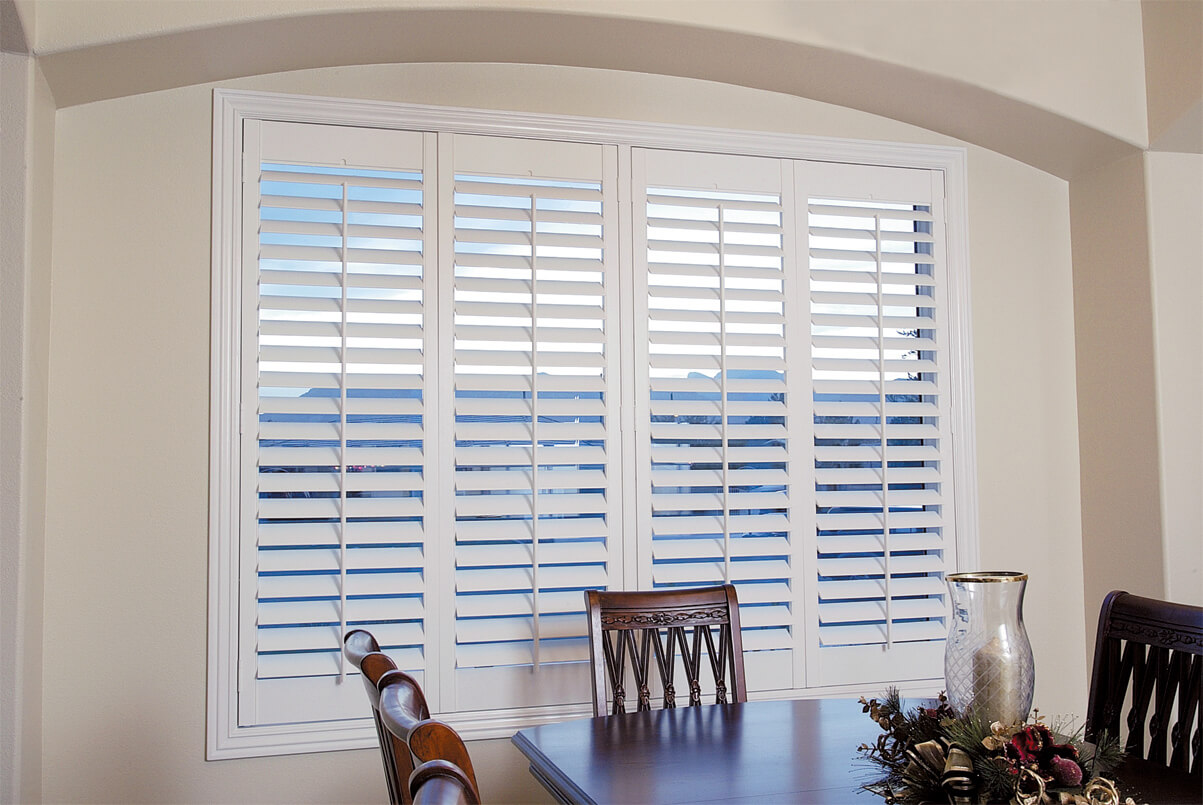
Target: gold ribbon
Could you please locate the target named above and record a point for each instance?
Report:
(959, 782)
(1099, 791)
(1030, 797)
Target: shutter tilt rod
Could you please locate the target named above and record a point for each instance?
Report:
(881, 402)
(342, 449)
(722, 341)
(534, 438)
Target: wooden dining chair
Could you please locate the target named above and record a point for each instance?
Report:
(642, 626)
(441, 782)
(406, 718)
(361, 648)
(1148, 658)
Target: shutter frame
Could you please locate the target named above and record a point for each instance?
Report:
(234, 109)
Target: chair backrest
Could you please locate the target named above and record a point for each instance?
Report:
(647, 626)
(357, 644)
(406, 718)
(1148, 659)
(441, 782)
(361, 648)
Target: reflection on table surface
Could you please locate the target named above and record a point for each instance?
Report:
(765, 751)
(797, 751)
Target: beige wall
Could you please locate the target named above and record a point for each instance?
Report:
(1027, 410)
(26, 164)
(1138, 286)
(36, 392)
(1117, 421)
(1173, 35)
(1174, 185)
(14, 90)
(128, 414)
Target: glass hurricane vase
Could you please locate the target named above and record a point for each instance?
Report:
(988, 665)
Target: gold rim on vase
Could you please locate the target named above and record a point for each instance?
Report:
(988, 576)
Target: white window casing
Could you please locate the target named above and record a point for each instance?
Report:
(468, 364)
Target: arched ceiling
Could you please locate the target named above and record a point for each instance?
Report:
(1023, 130)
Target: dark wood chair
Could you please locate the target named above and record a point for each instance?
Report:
(361, 648)
(1148, 658)
(441, 782)
(647, 625)
(406, 718)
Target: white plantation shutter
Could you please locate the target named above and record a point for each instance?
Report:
(716, 235)
(534, 371)
(460, 378)
(336, 485)
(882, 454)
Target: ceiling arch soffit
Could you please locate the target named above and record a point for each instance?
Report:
(1036, 136)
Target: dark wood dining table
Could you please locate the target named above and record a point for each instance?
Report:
(781, 751)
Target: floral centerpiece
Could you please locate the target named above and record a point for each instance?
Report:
(934, 754)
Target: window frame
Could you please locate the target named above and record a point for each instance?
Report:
(231, 108)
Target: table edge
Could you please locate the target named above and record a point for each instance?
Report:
(543, 770)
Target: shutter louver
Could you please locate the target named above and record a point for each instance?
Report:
(719, 438)
(340, 423)
(532, 391)
(882, 475)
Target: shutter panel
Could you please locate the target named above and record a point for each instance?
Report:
(339, 485)
(535, 505)
(882, 447)
(719, 442)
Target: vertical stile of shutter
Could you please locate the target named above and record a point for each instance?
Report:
(716, 288)
(339, 489)
(882, 450)
(533, 449)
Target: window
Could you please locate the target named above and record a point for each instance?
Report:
(466, 366)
